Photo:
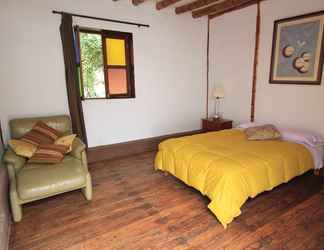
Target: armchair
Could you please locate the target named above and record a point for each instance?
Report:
(30, 181)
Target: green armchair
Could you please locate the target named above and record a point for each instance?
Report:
(30, 181)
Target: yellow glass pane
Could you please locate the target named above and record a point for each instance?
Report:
(115, 52)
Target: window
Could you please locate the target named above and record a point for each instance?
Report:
(106, 64)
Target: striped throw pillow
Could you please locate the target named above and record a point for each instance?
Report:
(40, 134)
(49, 153)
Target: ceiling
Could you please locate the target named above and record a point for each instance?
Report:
(199, 8)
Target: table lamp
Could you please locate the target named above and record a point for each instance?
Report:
(218, 94)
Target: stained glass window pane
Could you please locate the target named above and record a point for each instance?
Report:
(115, 52)
(117, 81)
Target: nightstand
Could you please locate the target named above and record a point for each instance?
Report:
(212, 124)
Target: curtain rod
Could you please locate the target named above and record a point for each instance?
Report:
(101, 19)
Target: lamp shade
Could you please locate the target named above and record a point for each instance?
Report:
(219, 92)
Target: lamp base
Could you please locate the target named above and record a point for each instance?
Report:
(216, 116)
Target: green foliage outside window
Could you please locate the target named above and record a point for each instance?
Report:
(92, 61)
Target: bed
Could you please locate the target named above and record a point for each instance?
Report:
(228, 168)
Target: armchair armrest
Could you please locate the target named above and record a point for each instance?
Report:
(17, 162)
(78, 147)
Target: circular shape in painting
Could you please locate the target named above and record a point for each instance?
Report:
(298, 63)
(305, 68)
(306, 56)
(288, 51)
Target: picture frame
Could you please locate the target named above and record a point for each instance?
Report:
(297, 50)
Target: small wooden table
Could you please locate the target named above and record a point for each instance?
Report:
(212, 124)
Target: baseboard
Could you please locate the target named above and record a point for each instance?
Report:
(112, 151)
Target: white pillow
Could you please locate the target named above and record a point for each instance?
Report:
(308, 138)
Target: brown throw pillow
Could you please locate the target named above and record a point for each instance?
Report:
(40, 134)
(49, 153)
(265, 132)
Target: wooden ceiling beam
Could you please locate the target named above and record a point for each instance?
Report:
(138, 2)
(216, 14)
(165, 3)
(193, 5)
(223, 7)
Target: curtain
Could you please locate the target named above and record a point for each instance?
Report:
(71, 76)
(1, 143)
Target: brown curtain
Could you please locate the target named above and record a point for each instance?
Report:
(1, 143)
(71, 75)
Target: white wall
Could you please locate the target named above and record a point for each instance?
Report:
(232, 51)
(169, 68)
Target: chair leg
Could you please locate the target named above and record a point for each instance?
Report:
(87, 190)
(16, 208)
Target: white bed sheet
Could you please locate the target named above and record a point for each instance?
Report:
(318, 155)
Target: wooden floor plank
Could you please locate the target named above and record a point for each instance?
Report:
(135, 207)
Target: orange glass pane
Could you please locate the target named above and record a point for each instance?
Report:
(117, 81)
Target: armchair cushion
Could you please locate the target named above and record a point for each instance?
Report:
(36, 181)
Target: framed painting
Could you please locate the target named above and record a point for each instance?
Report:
(297, 50)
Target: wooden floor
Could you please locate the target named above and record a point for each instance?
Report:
(135, 207)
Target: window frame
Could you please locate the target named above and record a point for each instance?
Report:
(129, 57)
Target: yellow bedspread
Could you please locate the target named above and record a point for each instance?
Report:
(228, 168)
